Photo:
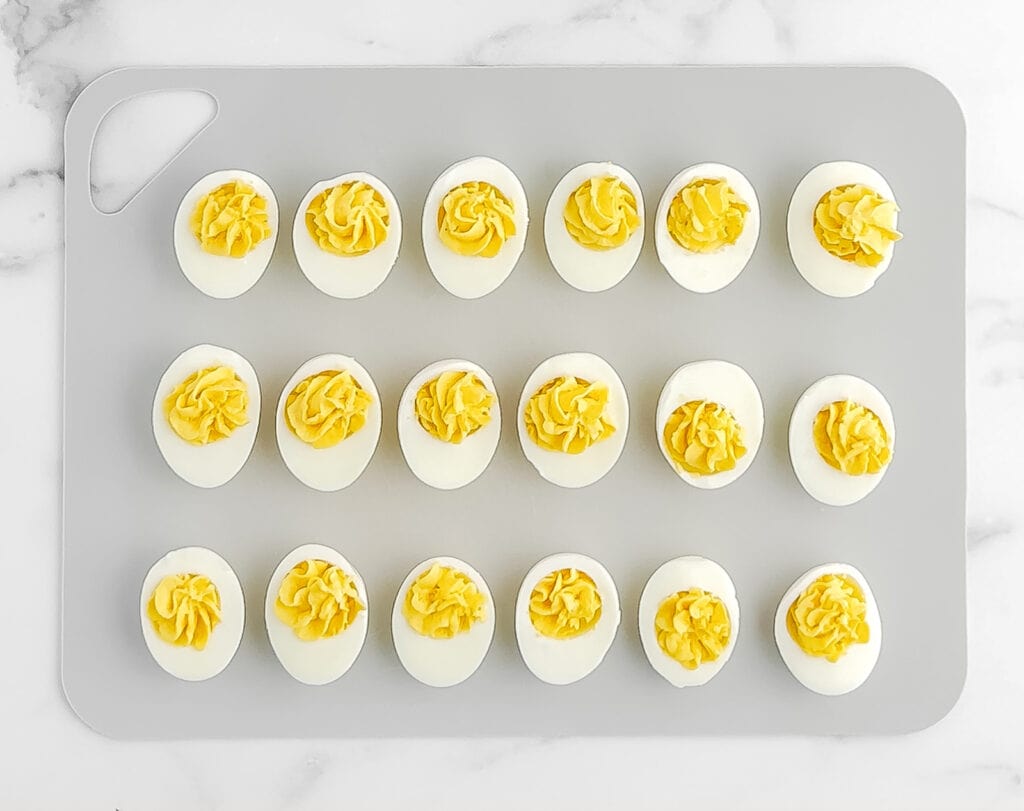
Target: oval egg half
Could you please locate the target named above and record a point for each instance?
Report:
(442, 662)
(582, 469)
(216, 463)
(222, 277)
(184, 661)
(683, 574)
(816, 673)
(822, 481)
(318, 661)
(566, 660)
(824, 272)
(336, 467)
(471, 277)
(729, 386)
(440, 464)
(584, 268)
(347, 277)
(707, 272)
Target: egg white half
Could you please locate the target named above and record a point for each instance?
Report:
(564, 661)
(442, 662)
(816, 672)
(334, 468)
(217, 463)
(185, 662)
(682, 574)
(582, 469)
(347, 277)
(824, 272)
(585, 269)
(471, 277)
(818, 477)
(222, 276)
(319, 661)
(731, 387)
(441, 464)
(707, 272)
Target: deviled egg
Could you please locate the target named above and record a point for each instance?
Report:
(572, 419)
(842, 228)
(328, 422)
(224, 232)
(316, 614)
(443, 622)
(567, 614)
(192, 613)
(449, 423)
(841, 439)
(828, 629)
(205, 413)
(474, 226)
(710, 420)
(689, 620)
(594, 226)
(707, 226)
(347, 233)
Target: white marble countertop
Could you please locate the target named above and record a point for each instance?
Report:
(50, 48)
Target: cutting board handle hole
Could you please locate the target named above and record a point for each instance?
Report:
(140, 137)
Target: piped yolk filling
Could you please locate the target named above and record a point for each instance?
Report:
(184, 609)
(567, 414)
(317, 600)
(828, 617)
(443, 602)
(564, 604)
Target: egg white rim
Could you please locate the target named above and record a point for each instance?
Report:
(593, 464)
(347, 277)
(231, 277)
(320, 661)
(471, 647)
(563, 661)
(300, 457)
(475, 451)
(824, 272)
(815, 672)
(707, 272)
(681, 574)
(185, 662)
(822, 481)
(217, 463)
(741, 397)
(585, 269)
(471, 277)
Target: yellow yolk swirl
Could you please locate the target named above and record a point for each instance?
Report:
(207, 405)
(851, 438)
(564, 604)
(453, 406)
(184, 609)
(231, 220)
(706, 215)
(317, 600)
(692, 627)
(475, 219)
(601, 214)
(703, 438)
(349, 219)
(327, 407)
(442, 602)
(856, 224)
(828, 617)
(567, 414)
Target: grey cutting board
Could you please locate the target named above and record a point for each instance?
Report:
(129, 312)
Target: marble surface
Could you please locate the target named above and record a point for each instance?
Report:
(49, 48)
